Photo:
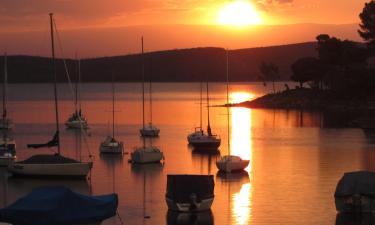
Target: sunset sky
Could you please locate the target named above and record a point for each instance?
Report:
(20, 16)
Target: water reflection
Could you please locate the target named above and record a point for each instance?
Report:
(202, 218)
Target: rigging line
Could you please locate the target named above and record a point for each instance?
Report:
(63, 59)
(71, 87)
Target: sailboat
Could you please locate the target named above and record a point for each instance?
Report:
(198, 131)
(146, 154)
(204, 141)
(51, 165)
(7, 150)
(5, 122)
(110, 144)
(77, 119)
(147, 130)
(230, 163)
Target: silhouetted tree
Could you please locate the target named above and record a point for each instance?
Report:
(367, 26)
(307, 69)
(270, 72)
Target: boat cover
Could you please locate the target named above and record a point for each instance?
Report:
(180, 187)
(59, 206)
(361, 183)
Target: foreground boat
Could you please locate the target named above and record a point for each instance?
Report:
(190, 193)
(355, 193)
(54, 165)
(59, 205)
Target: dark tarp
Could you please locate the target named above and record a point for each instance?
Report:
(361, 182)
(180, 187)
(59, 206)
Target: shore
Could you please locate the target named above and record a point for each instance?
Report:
(306, 99)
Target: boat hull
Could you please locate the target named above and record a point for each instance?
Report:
(205, 145)
(143, 157)
(76, 124)
(64, 170)
(204, 205)
(6, 161)
(6, 124)
(149, 133)
(228, 166)
(355, 204)
(104, 149)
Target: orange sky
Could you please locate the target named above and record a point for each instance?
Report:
(31, 15)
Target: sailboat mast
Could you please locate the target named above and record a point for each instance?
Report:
(79, 86)
(150, 94)
(55, 83)
(143, 88)
(208, 113)
(5, 87)
(76, 89)
(201, 105)
(113, 106)
(228, 124)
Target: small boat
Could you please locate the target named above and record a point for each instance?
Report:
(77, 120)
(147, 130)
(51, 165)
(205, 142)
(59, 205)
(190, 193)
(110, 145)
(5, 122)
(198, 131)
(147, 154)
(355, 193)
(7, 151)
(230, 163)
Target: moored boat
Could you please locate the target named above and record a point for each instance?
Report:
(355, 193)
(147, 154)
(59, 205)
(190, 193)
(7, 151)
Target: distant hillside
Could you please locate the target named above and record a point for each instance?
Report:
(164, 66)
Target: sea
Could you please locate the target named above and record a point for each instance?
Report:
(296, 157)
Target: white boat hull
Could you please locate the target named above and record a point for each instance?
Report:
(69, 170)
(146, 156)
(204, 205)
(228, 166)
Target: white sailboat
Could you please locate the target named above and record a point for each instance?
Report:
(147, 130)
(110, 145)
(230, 163)
(77, 120)
(198, 131)
(5, 122)
(51, 165)
(202, 141)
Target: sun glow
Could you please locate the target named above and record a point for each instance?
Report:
(239, 13)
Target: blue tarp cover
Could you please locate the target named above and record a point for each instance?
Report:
(59, 206)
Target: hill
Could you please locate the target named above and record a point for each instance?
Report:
(164, 66)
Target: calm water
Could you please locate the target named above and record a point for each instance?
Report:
(295, 163)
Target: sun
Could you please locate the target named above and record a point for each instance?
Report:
(239, 13)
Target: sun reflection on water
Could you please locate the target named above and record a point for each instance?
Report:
(241, 145)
